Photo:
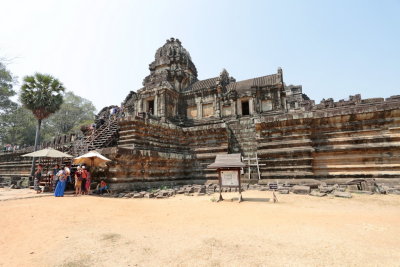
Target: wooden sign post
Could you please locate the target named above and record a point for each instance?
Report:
(228, 167)
(229, 177)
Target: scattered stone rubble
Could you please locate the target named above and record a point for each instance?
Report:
(336, 190)
(13, 182)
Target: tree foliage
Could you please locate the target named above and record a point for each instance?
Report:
(7, 106)
(42, 94)
(19, 127)
(74, 112)
(7, 82)
(20, 124)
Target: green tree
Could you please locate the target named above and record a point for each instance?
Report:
(7, 106)
(19, 127)
(7, 81)
(43, 95)
(74, 112)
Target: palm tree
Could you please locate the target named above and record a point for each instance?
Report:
(43, 95)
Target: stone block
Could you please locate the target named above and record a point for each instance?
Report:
(316, 193)
(353, 187)
(326, 189)
(361, 192)
(301, 189)
(342, 194)
(189, 189)
(283, 191)
(393, 191)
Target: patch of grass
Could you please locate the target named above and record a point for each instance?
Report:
(213, 199)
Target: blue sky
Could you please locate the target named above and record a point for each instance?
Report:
(101, 49)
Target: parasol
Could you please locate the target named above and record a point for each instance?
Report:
(92, 158)
(48, 153)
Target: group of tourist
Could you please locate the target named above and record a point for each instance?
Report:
(10, 148)
(61, 178)
(83, 180)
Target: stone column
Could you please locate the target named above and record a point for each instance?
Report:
(279, 99)
(199, 106)
(251, 106)
(233, 107)
(140, 106)
(239, 106)
(217, 107)
(156, 112)
(162, 105)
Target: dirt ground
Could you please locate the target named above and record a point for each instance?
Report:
(194, 231)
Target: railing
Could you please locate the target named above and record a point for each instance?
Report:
(79, 145)
(89, 142)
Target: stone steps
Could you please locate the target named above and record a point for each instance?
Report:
(284, 144)
(290, 150)
(294, 174)
(363, 146)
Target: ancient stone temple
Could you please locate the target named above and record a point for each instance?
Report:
(173, 127)
(172, 92)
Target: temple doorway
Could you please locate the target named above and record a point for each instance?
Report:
(245, 108)
(150, 107)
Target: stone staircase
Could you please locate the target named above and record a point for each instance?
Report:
(363, 145)
(205, 142)
(242, 137)
(285, 154)
(14, 168)
(104, 136)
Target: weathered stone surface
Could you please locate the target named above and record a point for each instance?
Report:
(326, 189)
(316, 193)
(393, 191)
(149, 195)
(361, 192)
(283, 191)
(301, 189)
(342, 194)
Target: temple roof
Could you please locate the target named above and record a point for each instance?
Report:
(267, 80)
(203, 84)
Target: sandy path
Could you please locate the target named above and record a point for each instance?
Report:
(193, 231)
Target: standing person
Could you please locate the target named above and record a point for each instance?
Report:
(84, 178)
(78, 181)
(37, 178)
(88, 181)
(49, 181)
(55, 177)
(62, 180)
(67, 170)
